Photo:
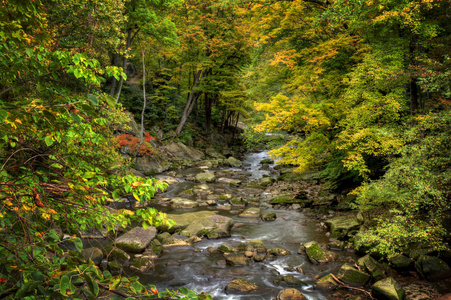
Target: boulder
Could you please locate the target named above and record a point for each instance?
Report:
(269, 216)
(240, 285)
(136, 240)
(432, 268)
(278, 252)
(202, 223)
(93, 253)
(267, 161)
(141, 264)
(116, 254)
(229, 181)
(226, 248)
(341, 226)
(114, 267)
(205, 177)
(252, 212)
(387, 289)
(178, 202)
(265, 181)
(233, 162)
(236, 259)
(167, 179)
(326, 283)
(155, 247)
(317, 255)
(151, 164)
(179, 151)
(291, 280)
(290, 294)
(212, 153)
(350, 275)
(400, 262)
(371, 266)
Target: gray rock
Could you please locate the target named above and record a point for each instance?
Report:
(205, 177)
(252, 212)
(179, 151)
(432, 268)
(114, 253)
(178, 202)
(233, 162)
(167, 179)
(136, 240)
(151, 164)
(265, 181)
(350, 275)
(229, 181)
(227, 248)
(387, 289)
(290, 294)
(202, 223)
(93, 253)
(342, 225)
(400, 261)
(291, 280)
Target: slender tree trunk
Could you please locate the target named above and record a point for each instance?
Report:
(191, 102)
(114, 81)
(124, 63)
(208, 105)
(141, 132)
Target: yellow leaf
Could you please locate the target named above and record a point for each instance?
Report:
(18, 121)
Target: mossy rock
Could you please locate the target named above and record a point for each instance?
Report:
(205, 177)
(227, 248)
(236, 259)
(432, 268)
(284, 200)
(114, 267)
(93, 253)
(141, 264)
(400, 262)
(350, 275)
(269, 216)
(114, 253)
(290, 294)
(326, 283)
(252, 212)
(387, 289)
(267, 161)
(317, 255)
(265, 181)
(155, 247)
(233, 162)
(278, 252)
(136, 240)
(291, 280)
(370, 265)
(343, 225)
(241, 202)
(240, 285)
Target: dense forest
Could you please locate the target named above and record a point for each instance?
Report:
(358, 92)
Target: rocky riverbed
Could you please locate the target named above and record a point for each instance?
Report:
(249, 229)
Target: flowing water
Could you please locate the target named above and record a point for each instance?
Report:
(198, 269)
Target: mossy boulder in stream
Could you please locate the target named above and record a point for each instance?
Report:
(290, 294)
(114, 253)
(350, 275)
(136, 240)
(400, 262)
(370, 265)
(240, 285)
(205, 177)
(341, 226)
(202, 223)
(278, 252)
(326, 283)
(387, 289)
(236, 259)
(269, 216)
(265, 181)
(233, 162)
(178, 202)
(141, 264)
(291, 280)
(252, 212)
(316, 255)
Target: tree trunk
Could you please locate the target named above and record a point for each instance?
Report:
(114, 81)
(124, 62)
(191, 102)
(208, 105)
(141, 132)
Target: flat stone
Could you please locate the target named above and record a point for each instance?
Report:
(229, 181)
(251, 212)
(326, 283)
(240, 285)
(350, 275)
(137, 239)
(205, 177)
(178, 202)
(290, 294)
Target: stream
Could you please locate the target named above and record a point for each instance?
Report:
(203, 271)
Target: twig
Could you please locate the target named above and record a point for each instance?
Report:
(349, 287)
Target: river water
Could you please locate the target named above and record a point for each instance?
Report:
(198, 269)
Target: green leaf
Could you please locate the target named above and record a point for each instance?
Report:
(92, 284)
(76, 118)
(53, 235)
(110, 101)
(3, 115)
(183, 290)
(48, 141)
(64, 285)
(93, 99)
(114, 282)
(78, 244)
(145, 224)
